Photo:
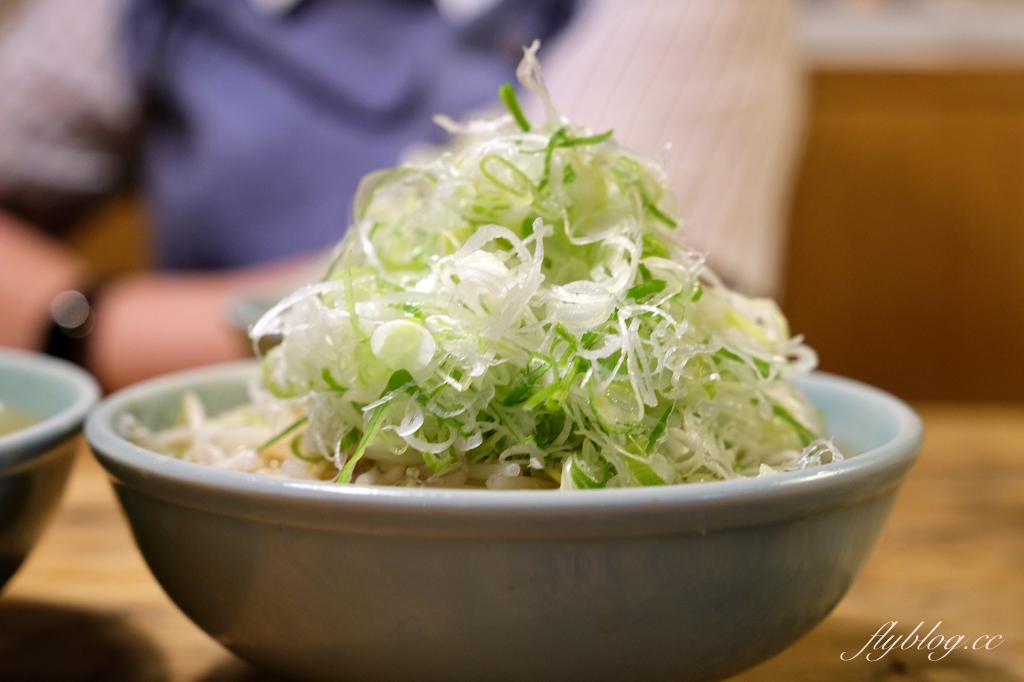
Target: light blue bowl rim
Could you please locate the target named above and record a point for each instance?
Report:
(42, 435)
(713, 504)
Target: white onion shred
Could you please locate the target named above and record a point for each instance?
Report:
(517, 313)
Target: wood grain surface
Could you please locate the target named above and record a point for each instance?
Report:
(84, 606)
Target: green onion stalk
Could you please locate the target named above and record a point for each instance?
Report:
(523, 304)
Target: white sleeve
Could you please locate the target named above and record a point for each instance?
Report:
(66, 101)
(721, 81)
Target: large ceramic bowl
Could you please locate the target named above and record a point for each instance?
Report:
(677, 583)
(34, 461)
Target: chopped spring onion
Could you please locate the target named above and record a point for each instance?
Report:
(520, 312)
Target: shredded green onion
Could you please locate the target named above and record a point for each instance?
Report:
(508, 97)
(292, 427)
(520, 312)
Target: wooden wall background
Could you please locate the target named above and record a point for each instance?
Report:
(906, 255)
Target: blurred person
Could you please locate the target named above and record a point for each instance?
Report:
(721, 83)
(254, 121)
(248, 124)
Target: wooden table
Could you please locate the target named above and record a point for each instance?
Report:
(84, 606)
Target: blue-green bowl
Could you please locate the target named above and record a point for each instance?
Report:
(682, 583)
(35, 461)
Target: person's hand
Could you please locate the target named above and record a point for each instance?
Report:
(153, 323)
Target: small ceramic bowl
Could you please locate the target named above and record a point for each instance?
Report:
(35, 460)
(328, 582)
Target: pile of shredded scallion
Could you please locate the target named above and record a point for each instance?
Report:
(517, 313)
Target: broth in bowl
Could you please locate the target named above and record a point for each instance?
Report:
(12, 420)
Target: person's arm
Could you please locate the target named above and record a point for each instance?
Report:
(720, 80)
(144, 324)
(152, 323)
(34, 268)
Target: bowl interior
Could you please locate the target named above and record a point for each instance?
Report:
(58, 393)
(40, 394)
(880, 431)
(877, 419)
(160, 408)
(861, 427)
